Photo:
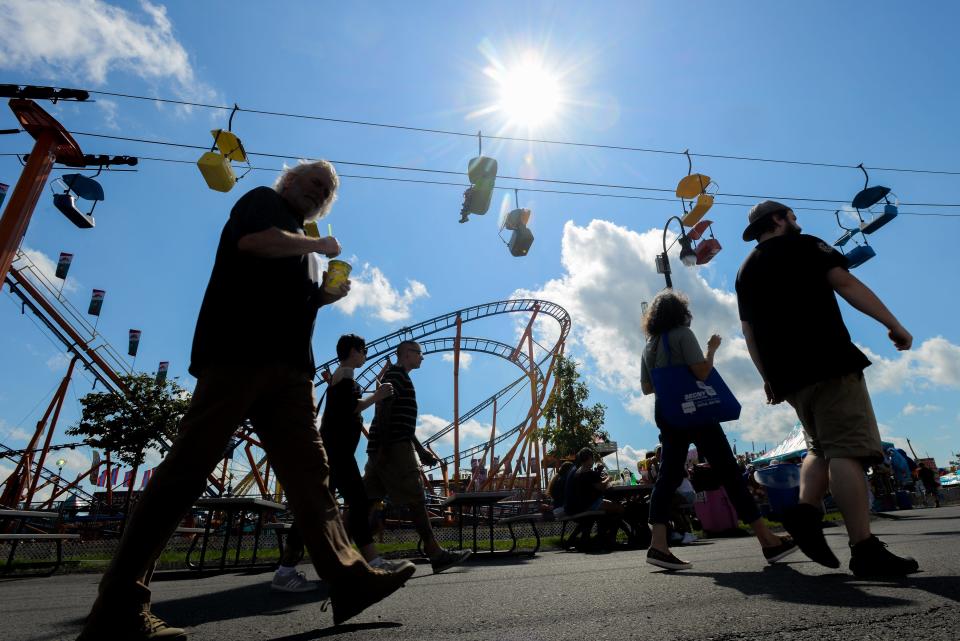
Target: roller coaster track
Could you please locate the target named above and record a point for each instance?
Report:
(388, 344)
(380, 349)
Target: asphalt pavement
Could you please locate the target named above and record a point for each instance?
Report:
(729, 594)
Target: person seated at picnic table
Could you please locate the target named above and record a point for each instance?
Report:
(668, 321)
(557, 487)
(584, 493)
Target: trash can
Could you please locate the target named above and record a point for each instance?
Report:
(782, 483)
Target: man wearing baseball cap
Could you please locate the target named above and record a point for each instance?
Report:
(786, 292)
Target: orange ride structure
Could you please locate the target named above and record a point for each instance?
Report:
(523, 451)
(244, 458)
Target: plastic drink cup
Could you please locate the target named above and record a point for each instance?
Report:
(338, 271)
(310, 229)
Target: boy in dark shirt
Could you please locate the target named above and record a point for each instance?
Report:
(340, 430)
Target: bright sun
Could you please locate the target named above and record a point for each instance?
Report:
(530, 94)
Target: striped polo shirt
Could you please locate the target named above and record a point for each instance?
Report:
(396, 417)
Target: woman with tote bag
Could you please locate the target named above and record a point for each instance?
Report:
(691, 401)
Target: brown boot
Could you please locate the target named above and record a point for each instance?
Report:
(135, 625)
(350, 598)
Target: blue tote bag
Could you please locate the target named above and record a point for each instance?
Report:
(683, 400)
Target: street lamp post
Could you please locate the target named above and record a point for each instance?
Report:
(56, 483)
(687, 255)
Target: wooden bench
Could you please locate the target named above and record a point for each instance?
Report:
(20, 535)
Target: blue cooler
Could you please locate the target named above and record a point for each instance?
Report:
(782, 483)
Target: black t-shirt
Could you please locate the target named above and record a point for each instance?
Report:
(783, 292)
(258, 311)
(341, 424)
(582, 491)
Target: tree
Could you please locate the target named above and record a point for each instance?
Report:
(127, 426)
(571, 425)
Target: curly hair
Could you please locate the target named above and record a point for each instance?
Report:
(668, 310)
(321, 170)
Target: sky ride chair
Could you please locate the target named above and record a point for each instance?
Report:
(78, 186)
(693, 187)
(215, 165)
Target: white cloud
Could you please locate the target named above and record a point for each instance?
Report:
(628, 457)
(58, 362)
(608, 271)
(910, 409)
(109, 109)
(88, 39)
(471, 431)
(372, 290)
(465, 359)
(935, 363)
(48, 270)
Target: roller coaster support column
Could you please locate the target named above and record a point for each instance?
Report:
(456, 406)
(535, 448)
(52, 143)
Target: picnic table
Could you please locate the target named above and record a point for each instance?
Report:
(22, 517)
(626, 492)
(476, 501)
(232, 506)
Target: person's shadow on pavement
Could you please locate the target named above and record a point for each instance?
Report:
(252, 601)
(783, 583)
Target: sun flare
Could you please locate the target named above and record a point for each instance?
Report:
(530, 94)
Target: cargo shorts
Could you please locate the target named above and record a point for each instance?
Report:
(394, 471)
(838, 418)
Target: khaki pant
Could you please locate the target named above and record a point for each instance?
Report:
(279, 402)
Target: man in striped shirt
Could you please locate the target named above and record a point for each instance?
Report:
(393, 468)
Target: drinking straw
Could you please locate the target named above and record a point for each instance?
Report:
(329, 229)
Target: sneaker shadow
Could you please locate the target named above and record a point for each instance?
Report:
(336, 630)
(251, 600)
(783, 583)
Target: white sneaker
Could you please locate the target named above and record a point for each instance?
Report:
(689, 538)
(295, 582)
(391, 566)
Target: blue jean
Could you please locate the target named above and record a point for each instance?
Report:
(712, 444)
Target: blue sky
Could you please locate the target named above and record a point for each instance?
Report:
(822, 82)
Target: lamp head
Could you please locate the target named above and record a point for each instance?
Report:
(687, 256)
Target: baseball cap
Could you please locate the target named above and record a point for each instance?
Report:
(758, 213)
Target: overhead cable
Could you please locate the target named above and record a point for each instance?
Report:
(463, 134)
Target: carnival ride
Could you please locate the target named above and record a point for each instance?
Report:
(244, 459)
(87, 347)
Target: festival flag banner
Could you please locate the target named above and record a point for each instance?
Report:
(102, 479)
(162, 371)
(114, 476)
(96, 302)
(95, 468)
(146, 477)
(63, 265)
(3, 191)
(134, 342)
(128, 478)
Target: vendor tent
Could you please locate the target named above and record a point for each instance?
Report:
(793, 446)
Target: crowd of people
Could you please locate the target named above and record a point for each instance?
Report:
(253, 360)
